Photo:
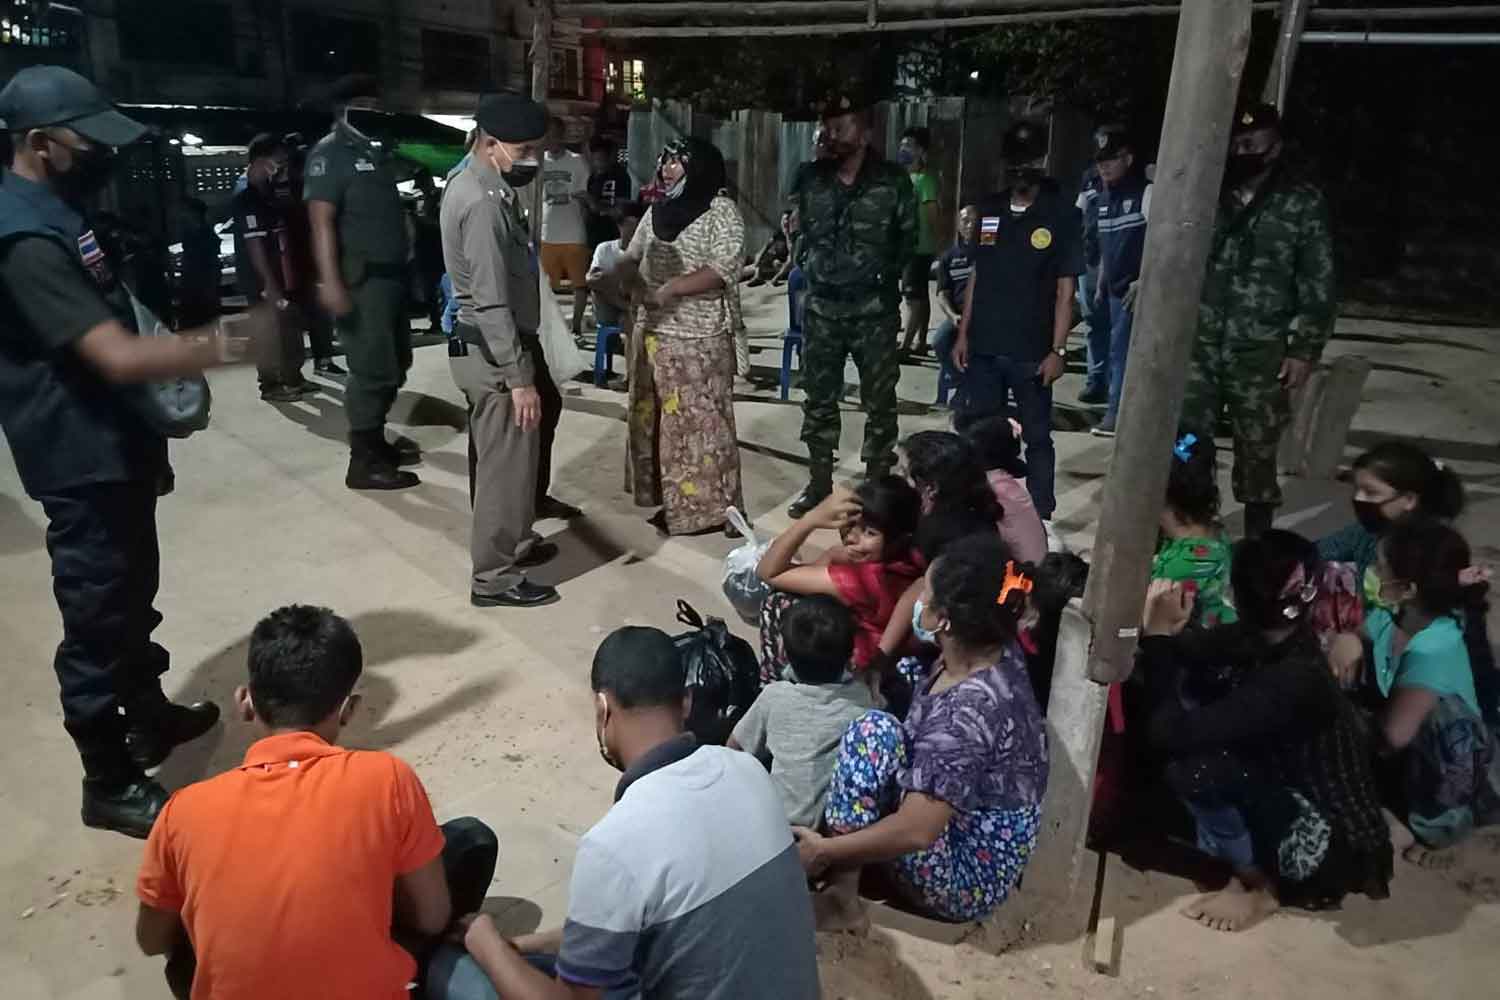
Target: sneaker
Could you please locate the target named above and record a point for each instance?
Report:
(328, 368)
(151, 742)
(1103, 431)
(130, 809)
(1094, 396)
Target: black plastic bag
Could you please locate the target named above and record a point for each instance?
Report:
(723, 675)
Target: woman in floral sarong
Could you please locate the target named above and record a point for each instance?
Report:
(681, 452)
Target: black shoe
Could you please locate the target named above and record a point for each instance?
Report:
(130, 809)
(814, 494)
(402, 451)
(659, 521)
(367, 474)
(523, 595)
(328, 368)
(541, 552)
(551, 507)
(281, 394)
(1094, 396)
(151, 741)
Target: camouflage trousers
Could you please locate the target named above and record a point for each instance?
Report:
(826, 343)
(1243, 378)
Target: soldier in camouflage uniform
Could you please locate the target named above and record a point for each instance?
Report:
(1268, 307)
(858, 218)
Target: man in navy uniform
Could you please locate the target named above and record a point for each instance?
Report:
(70, 368)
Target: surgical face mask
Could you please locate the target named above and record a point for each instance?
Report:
(1024, 178)
(1374, 598)
(88, 173)
(521, 173)
(919, 630)
(675, 191)
(905, 157)
(1370, 516)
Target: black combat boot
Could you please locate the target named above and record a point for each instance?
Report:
(1258, 518)
(819, 485)
(402, 451)
(156, 731)
(369, 468)
(124, 806)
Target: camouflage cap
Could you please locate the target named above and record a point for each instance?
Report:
(1254, 117)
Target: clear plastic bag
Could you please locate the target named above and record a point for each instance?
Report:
(745, 589)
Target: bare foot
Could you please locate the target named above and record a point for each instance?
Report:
(1404, 843)
(1233, 909)
(837, 912)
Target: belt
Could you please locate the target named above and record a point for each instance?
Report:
(471, 334)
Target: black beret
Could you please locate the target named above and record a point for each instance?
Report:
(511, 118)
(1255, 117)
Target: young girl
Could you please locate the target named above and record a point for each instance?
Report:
(868, 573)
(1436, 752)
(1275, 768)
(997, 447)
(1194, 551)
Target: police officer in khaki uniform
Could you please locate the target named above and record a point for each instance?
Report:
(360, 248)
(495, 355)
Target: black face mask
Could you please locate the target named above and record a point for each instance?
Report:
(89, 173)
(520, 174)
(1024, 178)
(1369, 516)
(1243, 167)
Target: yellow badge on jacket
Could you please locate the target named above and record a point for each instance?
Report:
(1041, 238)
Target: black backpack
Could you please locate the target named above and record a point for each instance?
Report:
(722, 674)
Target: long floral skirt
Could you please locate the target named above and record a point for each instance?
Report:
(681, 451)
(972, 866)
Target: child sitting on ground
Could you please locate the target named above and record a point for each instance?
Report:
(1194, 551)
(868, 573)
(995, 441)
(285, 876)
(795, 725)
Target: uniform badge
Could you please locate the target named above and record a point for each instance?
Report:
(250, 222)
(1041, 238)
(1129, 204)
(94, 260)
(317, 167)
(363, 166)
(989, 228)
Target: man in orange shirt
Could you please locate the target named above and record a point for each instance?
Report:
(286, 875)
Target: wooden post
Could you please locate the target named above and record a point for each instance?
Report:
(1212, 38)
(1289, 33)
(541, 78)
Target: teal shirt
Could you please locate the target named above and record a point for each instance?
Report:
(1435, 658)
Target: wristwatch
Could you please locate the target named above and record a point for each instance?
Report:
(1061, 352)
(283, 304)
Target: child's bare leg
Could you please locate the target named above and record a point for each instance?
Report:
(837, 907)
(1246, 900)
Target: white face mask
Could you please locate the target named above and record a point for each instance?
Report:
(676, 190)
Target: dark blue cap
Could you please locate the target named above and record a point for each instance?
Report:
(43, 96)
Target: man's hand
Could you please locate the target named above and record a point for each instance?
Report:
(1131, 293)
(836, 510)
(810, 850)
(528, 405)
(479, 936)
(1169, 605)
(334, 297)
(664, 296)
(1051, 369)
(1294, 372)
(961, 351)
(1346, 656)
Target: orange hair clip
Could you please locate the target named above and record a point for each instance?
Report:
(1014, 580)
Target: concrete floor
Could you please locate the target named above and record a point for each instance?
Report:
(492, 707)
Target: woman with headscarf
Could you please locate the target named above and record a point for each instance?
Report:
(681, 451)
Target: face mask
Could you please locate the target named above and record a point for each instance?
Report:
(1243, 167)
(1373, 587)
(1369, 516)
(89, 172)
(905, 157)
(922, 633)
(521, 173)
(675, 191)
(1024, 178)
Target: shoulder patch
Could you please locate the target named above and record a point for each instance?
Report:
(317, 166)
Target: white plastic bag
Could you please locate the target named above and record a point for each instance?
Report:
(744, 588)
(564, 359)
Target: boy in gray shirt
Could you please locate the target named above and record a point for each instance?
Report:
(796, 726)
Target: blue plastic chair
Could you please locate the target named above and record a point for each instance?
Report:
(947, 381)
(790, 341)
(603, 359)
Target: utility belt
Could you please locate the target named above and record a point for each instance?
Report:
(849, 293)
(466, 335)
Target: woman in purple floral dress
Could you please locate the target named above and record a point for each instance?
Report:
(950, 801)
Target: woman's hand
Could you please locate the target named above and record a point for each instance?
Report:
(1169, 605)
(810, 850)
(1346, 657)
(836, 510)
(664, 296)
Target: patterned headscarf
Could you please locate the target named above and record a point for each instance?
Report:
(703, 178)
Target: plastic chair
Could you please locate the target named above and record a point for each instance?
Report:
(790, 341)
(947, 382)
(603, 360)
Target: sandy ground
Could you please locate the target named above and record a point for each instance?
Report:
(492, 707)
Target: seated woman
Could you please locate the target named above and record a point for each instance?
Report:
(1194, 550)
(1436, 753)
(946, 473)
(867, 573)
(996, 443)
(1273, 762)
(950, 802)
